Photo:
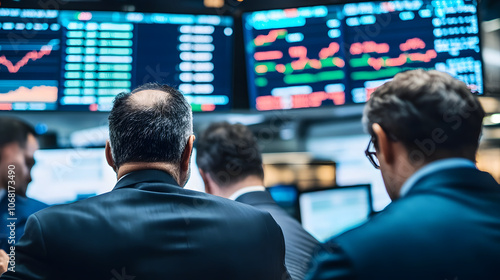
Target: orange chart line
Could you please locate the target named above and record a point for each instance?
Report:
(33, 55)
(412, 44)
(369, 47)
(301, 53)
(270, 37)
(269, 55)
(378, 63)
(326, 57)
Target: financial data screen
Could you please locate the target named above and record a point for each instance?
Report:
(339, 54)
(327, 213)
(70, 60)
(66, 175)
(30, 59)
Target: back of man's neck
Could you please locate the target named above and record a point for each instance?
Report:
(129, 167)
(250, 181)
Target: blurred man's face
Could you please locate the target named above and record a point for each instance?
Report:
(22, 160)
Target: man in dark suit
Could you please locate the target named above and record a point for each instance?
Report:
(230, 165)
(444, 220)
(17, 148)
(148, 226)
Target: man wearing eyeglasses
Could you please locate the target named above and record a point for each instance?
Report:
(444, 221)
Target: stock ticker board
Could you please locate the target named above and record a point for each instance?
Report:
(70, 60)
(334, 55)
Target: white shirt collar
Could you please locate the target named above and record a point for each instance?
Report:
(432, 167)
(122, 177)
(245, 190)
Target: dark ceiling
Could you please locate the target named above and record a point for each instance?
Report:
(490, 8)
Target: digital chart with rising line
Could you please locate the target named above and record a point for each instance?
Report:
(29, 76)
(32, 55)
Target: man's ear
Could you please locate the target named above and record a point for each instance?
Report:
(186, 155)
(206, 181)
(109, 156)
(385, 147)
(210, 186)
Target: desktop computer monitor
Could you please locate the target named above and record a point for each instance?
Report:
(67, 175)
(286, 196)
(329, 212)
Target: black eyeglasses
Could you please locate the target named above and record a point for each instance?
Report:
(372, 156)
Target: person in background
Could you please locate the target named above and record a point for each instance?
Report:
(4, 261)
(444, 220)
(148, 226)
(230, 165)
(17, 148)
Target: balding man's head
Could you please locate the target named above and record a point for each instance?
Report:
(150, 124)
(146, 99)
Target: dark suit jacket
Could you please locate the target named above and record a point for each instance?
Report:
(299, 244)
(24, 207)
(149, 228)
(446, 227)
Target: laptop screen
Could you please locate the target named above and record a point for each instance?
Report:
(329, 212)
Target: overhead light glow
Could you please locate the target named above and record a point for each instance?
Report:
(213, 3)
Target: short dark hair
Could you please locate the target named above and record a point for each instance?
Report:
(229, 153)
(155, 133)
(14, 130)
(433, 115)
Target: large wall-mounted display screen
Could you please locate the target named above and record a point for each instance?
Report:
(339, 54)
(71, 60)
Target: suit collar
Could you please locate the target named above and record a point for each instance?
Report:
(456, 178)
(245, 190)
(434, 167)
(256, 197)
(145, 176)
